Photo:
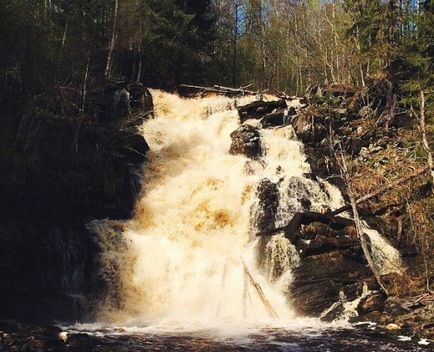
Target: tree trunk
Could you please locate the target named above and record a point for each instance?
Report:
(358, 223)
(424, 139)
(235, 49)
(107, 72)
(84, 90)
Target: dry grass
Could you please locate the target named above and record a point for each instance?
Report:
(404, 214)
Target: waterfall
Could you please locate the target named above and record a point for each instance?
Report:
(186, 250)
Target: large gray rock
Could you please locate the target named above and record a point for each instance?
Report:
(320, 279)
(246, 140)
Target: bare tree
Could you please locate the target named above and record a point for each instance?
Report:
(112, 44)
(345, 173)
(423, 131)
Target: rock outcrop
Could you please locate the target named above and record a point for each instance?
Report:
(258, 109)
(61, 173)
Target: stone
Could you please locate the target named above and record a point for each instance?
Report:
(370, 303)
(258, 109)
(81, 342)
(394, 306)
(392, 327)
(246, 141)
(141, 97)
(73, 171)
(274, 119)
(319, 279)
(309, 128)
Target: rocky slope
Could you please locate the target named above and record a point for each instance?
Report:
(381, 143)
(58, 174)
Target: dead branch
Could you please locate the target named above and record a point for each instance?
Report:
(260, 293)
(187, 90)
(359, 227)
(291, 230)
(423, 131)
(380, 191)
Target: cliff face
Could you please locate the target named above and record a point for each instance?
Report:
(57, 175)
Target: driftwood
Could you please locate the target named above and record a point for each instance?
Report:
(186, 90)
(258, 109)
(260, 293)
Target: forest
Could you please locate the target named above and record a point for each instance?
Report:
(52, 50)
(189, 161)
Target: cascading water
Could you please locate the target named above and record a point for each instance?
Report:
(190, 249)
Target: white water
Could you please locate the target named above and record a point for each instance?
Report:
(183, 263)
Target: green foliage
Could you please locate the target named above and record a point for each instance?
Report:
(415, 63)
(51, 50)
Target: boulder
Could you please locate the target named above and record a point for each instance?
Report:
(246, 140)
(258, 109)
(274, 119)
(141, 97)
(371, 303)
(309, 128)
(268, 197)
(325, 244)
(264, 215)
(319, 279)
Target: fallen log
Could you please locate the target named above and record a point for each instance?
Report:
(292, 229)
(330, 218)
(188, 91)
(241, 90)
(363, 238)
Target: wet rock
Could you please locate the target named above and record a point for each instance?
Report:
(81, 342)
(258, 109)
(141, 97)
(268, 198)
(371, 303)
(324, 244)
(246, 140)
(336, 310)
(64, 173)
(264, 217)
(274, 119)
(319, 279)
(305, 203)
(309, 128)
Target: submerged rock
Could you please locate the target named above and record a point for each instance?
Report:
(246, 140)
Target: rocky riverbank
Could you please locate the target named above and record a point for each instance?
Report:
(381, 144)
(364, 338)
(59, 173)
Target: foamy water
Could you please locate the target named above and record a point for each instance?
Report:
(184, 260)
